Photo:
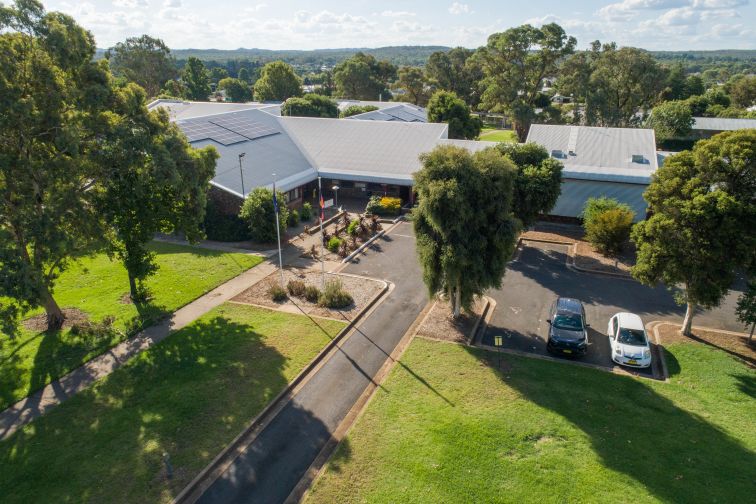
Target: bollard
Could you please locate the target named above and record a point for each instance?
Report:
(168, 466)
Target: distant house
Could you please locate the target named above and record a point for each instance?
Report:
(705, 127)
(612, 162)
(560, 99)
(401, 112)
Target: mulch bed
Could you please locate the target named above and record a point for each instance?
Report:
(38, 323)
(362, 291)
(734, 345)
(586, 257)
(440, 325)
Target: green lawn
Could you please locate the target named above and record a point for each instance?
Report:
(497, 135)
(189, 396)
(447, 427)
(97, 285)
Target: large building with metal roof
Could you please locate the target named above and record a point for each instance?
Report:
(704, 127)
(612, 162)
(369, 157)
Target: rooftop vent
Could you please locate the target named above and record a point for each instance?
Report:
(558, 154)
(638, 158)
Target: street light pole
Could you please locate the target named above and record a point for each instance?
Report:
(336, 196)
(241, 173)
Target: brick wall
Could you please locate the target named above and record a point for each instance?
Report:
(226, 203)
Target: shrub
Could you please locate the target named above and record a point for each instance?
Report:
(607, 225)
(391, 205)
(312, 294)
(293, 218)
(221, 227)
(385, 205)
(296, 288)
(257, 212)
(334, 296)
(333, 244)
(306, 212)
(276, 292)
(353, 228)
(343, 248)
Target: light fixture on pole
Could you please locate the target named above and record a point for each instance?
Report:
(241, 173)
(336, 196)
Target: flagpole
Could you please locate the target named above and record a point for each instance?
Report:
(322, 257)
(278, 231)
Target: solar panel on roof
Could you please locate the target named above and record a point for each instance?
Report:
(244, 127)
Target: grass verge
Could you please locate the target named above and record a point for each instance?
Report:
(187, 396)
(97, 286)
(456, 429)
(497, 135)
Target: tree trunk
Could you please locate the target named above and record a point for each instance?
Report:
(750, 336)
(457, 301)
(55, 315)
(688, 321)
(133, 288)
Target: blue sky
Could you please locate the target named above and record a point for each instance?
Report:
(299, 24)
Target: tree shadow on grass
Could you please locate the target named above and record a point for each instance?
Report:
(676, 454)
(187, 396)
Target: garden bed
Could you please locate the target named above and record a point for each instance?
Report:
(733, 344)
(361, 289)
(440, 325)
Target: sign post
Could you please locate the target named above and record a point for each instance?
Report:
(498, 343)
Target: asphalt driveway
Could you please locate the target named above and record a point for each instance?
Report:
(274, 462)
(540, 275)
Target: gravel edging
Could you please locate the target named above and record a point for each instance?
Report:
(194, 490)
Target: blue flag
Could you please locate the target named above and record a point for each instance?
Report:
(275, 201)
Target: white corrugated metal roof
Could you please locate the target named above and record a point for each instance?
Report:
(179, 109)
(383, 149)
(401, 112)
(722, 123)
(602, 154)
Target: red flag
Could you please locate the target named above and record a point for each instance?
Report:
(322, 208)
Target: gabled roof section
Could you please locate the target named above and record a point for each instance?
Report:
(266, 154)
(601, 154)
(722, 123)
(402, 112)
(364, 150)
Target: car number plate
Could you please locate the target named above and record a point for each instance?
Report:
(567, 351)
(633, 361)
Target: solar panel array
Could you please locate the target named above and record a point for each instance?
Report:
(228, 129)
(244, 126)
(404, 115)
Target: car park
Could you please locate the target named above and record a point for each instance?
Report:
(628, 341)
(568, 333)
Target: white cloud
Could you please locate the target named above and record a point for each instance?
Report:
(256, 7)
(391, 13)
(172, 4)
(130, 4)
(459, 8)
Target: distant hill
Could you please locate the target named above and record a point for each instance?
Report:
(398, 55)
(311, 61)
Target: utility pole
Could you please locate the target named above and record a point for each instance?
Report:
(278, 231)
(322, 257)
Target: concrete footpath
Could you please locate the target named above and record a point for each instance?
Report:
(273, 463)
(38, 403)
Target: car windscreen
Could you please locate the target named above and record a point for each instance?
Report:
(632, 337)
(568, 322)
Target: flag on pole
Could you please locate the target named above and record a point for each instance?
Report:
(322, 208)
(275, 201)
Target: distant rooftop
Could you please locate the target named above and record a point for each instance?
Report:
(180, 109)
(600, 154)
(722, 123)
(399, 112)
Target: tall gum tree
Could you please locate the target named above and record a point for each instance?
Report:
(51, 94)
(515, 64)
(465, 229)
(702, 228)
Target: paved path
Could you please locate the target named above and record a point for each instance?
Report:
(38, 403)
(268, 470)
